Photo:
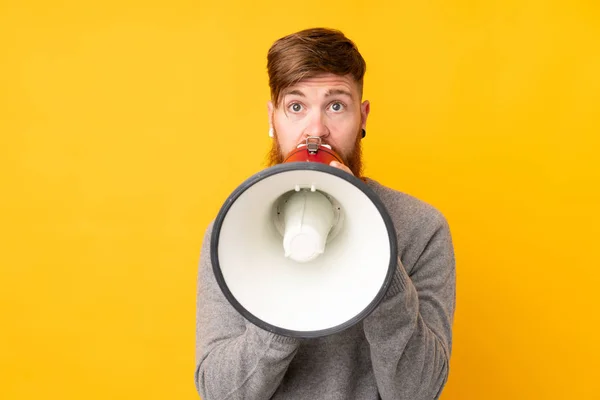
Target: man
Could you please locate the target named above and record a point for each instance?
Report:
(402, 349)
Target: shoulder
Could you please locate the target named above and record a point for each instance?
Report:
(415, 220)
(406, 209)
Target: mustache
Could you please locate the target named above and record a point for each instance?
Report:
(322, 143)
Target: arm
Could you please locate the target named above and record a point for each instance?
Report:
(410, 333)
(234, 358)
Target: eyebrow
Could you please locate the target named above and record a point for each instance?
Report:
(295, 92)
(334, 92)
(331, 92)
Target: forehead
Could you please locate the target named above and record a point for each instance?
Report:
(324, 84)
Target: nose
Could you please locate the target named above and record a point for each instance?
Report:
(317, 126)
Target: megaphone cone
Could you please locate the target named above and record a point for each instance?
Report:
(303, 249)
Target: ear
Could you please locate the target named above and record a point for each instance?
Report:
(365, 109)
(270, 110)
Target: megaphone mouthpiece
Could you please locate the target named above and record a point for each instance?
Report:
(308, 218)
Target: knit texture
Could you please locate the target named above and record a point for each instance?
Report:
(400, 351)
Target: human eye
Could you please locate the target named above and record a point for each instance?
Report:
(337, 106)
(295, 107)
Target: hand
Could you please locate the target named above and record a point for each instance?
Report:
(341, 166)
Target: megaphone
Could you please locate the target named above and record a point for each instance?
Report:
(304, 249)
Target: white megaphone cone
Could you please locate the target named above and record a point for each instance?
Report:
(304, 249)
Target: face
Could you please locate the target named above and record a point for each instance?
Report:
(327, 106)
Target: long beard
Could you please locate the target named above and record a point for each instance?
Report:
(352, 160)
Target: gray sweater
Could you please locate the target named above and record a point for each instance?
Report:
(400, 351)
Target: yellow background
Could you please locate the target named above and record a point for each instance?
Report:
(124, 126)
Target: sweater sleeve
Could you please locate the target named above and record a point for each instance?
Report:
(410, 333)
(234, 358)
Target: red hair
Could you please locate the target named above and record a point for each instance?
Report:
(309, 53)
